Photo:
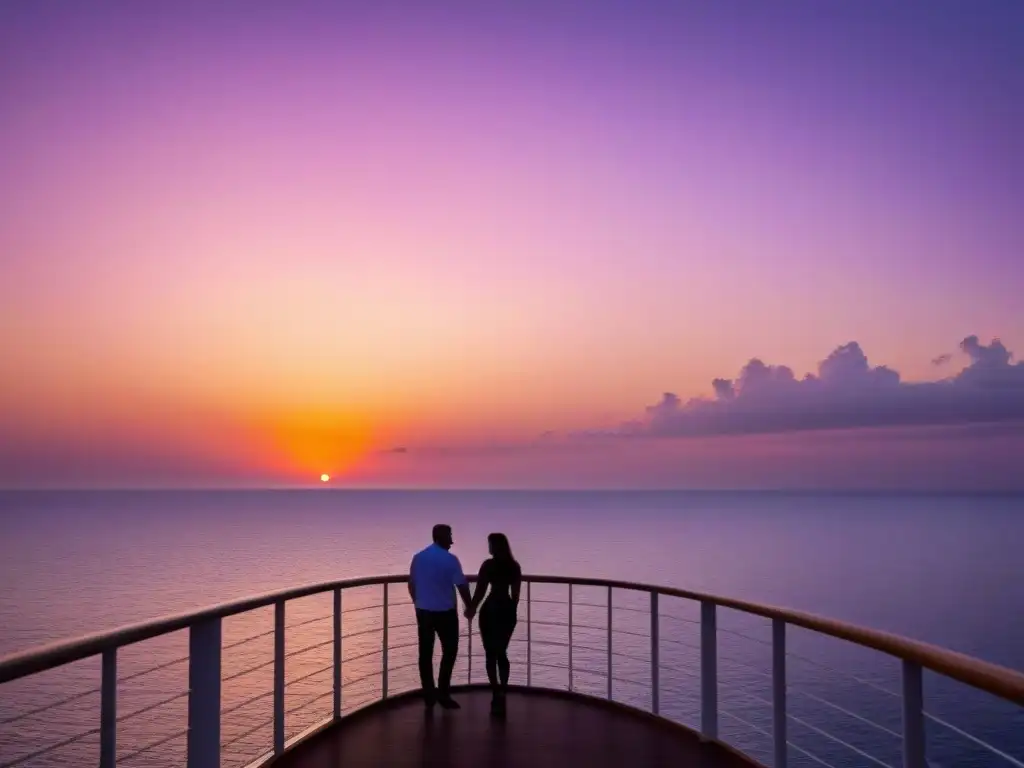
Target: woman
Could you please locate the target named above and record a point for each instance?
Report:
(498, 615)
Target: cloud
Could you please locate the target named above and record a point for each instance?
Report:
(995, 355)
(847, 392)
(942, 359)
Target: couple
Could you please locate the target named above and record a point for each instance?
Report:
(434, 575)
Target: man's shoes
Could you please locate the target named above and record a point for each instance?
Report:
(429, 701)
(449, 703)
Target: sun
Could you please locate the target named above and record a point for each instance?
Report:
(324, 477)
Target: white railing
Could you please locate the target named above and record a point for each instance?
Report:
(625, 624)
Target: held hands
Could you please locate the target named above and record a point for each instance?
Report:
(470, 612)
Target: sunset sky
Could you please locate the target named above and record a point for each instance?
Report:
(465, 245)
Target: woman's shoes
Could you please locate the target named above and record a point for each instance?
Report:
(498, 705)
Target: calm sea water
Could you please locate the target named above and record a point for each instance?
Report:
(945, 569)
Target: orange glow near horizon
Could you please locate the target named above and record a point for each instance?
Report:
(327, 446)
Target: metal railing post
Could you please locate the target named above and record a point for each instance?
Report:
(469, 657)
(108, 710)
(204, 650)
(529, 645)
(279, 632)
(384, 649)
(779, 692)
(570, 635)
(708, 671)
(913, 717)
(337, 653)
(655, 663)
(609, 643)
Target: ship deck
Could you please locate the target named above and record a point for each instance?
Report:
(541, 729)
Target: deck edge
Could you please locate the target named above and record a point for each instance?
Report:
(314, 734)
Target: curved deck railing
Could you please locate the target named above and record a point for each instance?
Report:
(648, 639)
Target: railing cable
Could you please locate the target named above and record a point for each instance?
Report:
(50, 748)
(695, 622)
(315, 699)
(842, 673)
(845, 711)
(360, 609)
(248, 671)
(311, 674)
(47, 707)
(407, 625)
(366, 655)
(245, 734)
(249, 639)
(362, 632)
(751, 638)
(819, 731)
(309, 648)
(307, 622)
(245, 703)
(586, 671)
(362, 678)
(994, 750)
(576, 626)
(837, 740)
(151, 746)
(157, 668)
(681, 643)
(151, 707)
(577, 646)
(762, 731)
(401, 646)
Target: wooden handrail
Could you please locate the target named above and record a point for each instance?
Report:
(992, 678)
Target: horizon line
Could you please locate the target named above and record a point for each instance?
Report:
(499, 489)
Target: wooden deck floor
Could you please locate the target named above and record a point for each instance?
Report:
(541, 730)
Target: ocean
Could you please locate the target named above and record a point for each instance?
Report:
(940, 568)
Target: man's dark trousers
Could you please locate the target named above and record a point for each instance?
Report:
(445, 624)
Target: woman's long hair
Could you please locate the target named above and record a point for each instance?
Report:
(500, 548)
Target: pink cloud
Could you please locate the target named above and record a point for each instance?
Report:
(847, 392)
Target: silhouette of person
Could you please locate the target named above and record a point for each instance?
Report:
(498, 615)
(433, 576)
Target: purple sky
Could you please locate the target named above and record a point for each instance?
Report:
(247, 243)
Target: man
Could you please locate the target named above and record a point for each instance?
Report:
(433, 576)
